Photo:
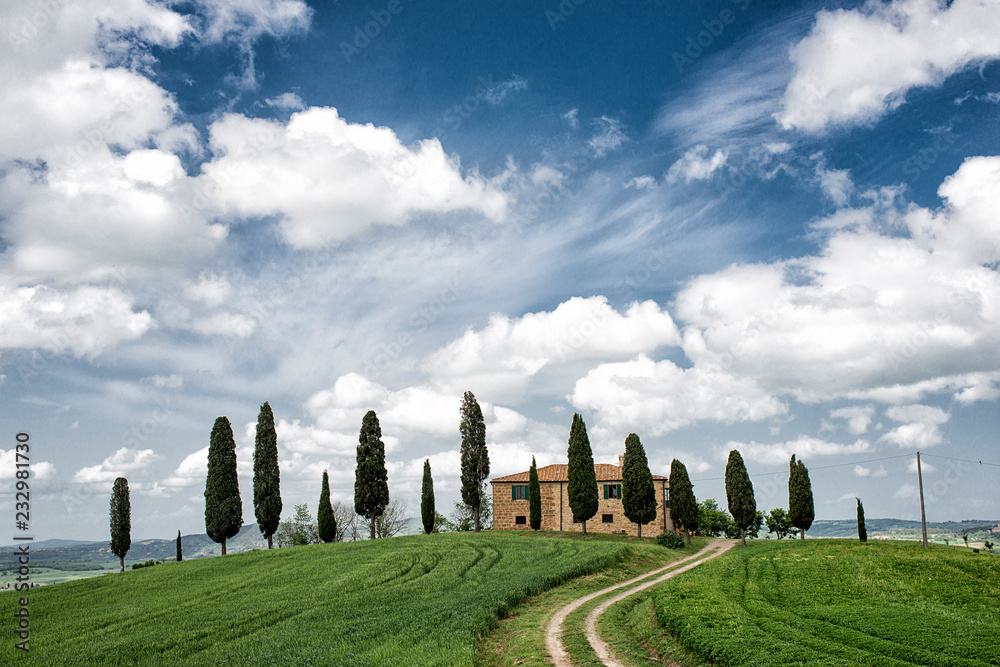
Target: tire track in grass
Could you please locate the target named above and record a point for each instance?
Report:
(553, 633)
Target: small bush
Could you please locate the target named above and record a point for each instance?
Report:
(988, 545)
(148, 563)
(670, 540)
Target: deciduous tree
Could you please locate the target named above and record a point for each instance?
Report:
(475, 457)
(121, 520)
(638, 493)
(223, 505)
(582, 484)
(683, 505)
(801, 511)
(534, 497)
(266, 478)
(739, 494)
(427, 513)
(326, 521)
(778, 523)
(371, 480)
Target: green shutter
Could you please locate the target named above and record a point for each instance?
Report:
(527, 492)
(605, 491)
(513, 492)
(619, 492)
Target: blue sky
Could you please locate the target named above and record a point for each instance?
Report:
(763, 226)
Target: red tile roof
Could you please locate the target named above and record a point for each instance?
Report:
(559, 472)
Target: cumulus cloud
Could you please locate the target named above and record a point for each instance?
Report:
(858, 64)
(327, 179)
(862, 471)
(505, 355)
(192, 471)
(120, 463)
(40, 470)
(696, 165)
(858, 417)
(642, 183)
(803, 448)
(922, 427)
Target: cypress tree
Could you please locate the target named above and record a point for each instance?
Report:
(475, 457)
(739, 494)
(683, 505)
(801, 511)
(534, 497)
(223, 505)
(121, 520)
(266, 483)
(371, 480)
(427, 499)
(638, 494)
(862, 531)
(582, 485)
(326, 521)
(180, 553)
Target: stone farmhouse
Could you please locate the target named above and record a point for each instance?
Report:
(510, 502)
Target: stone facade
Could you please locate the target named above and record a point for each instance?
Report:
(512, 514)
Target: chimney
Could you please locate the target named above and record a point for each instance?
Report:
(621, 460)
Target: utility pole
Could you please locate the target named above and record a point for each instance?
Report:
(923, 517)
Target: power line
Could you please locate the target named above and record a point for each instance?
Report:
(833, 465)
(949, 458)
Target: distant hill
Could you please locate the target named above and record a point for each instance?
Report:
(877, 527)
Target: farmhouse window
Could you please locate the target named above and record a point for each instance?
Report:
(607, 518)
(519, 492)
(520, 520)
(612, 491)
(666, 497)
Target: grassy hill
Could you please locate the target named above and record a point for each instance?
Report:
(838, 602)
(419, 600)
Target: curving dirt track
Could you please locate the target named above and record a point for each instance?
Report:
(553, 634)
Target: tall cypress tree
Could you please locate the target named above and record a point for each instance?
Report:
(427, 499)
(638, 494)
(862, 531)
(326, 521)
(180, 552)
(121, 520)
(475, 458)
(683, 505)
(371, 480)
(534, 497)
(223, 505)
(801, 511)
(266, 482)
(739, 494)
(582, 485)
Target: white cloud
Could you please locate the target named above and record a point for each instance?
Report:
(696, 165)
(858, 417)
(286, 101)
(921, 427)
(862, 471)
(210, 289)
(40, 470)
(656, 397)
(496, 93)
(248, 20)
(858, 64)
(120, 463)
(804, 447)
(166, 381)
(642, 183)
(573, 118)
(503, 357)
(327, 179)
(84, 320)
(835, 183)
(192, 471)
(609, 136)
(925, 467)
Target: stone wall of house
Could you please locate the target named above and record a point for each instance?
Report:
(555, 498)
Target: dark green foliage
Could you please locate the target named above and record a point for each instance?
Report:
(713, 521)
(670, 539)
(534, 497)
(638, 493)
(475, 458)
(427, 513)
(266, 478)
(180, 552)
(223, 505)
(683, 506)
(780, 524)
(299, 530)
(800, 496)
(582, 485)
(739, 494)
(371, 480)
(148, 563)
(863, 532)
(325, 519)
(121, 520)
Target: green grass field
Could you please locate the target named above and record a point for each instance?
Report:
(837, 602)
(420, 600)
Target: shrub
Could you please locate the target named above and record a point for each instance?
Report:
(148, 563)
(988, 545)
(670, 539)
